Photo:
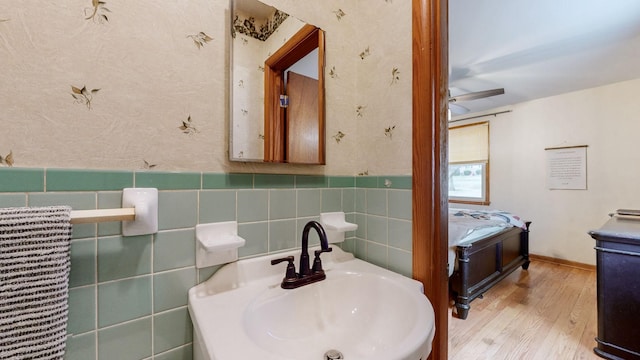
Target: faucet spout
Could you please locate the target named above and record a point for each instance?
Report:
(304, 269)
(306, 276)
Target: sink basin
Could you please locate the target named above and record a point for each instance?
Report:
(361, 310)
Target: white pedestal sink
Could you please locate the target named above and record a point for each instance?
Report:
(360, 310)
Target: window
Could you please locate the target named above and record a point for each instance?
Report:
(469, 164)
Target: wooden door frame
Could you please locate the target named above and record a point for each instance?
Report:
(307, 39)
(429, 195)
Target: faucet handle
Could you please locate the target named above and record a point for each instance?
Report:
(317, 263)
(278, 261)
(291, 269)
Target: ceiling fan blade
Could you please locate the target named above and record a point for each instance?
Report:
(476, 95)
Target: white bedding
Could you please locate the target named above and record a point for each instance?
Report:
(467, 226)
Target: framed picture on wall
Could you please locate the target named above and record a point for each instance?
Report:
(567, 168)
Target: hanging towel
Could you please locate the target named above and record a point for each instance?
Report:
(34, 281)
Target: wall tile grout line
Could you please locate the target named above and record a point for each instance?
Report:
(153, 305)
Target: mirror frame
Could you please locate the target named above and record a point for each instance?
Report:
(307, 39)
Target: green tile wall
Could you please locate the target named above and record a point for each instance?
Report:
(123, 257)
(128, 295)
(93, 180)
(227, 181)
(123, 300)
(169, 180)
(127, 341)
(382, 209)
(21, 180)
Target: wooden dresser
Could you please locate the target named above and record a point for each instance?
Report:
(618, 289)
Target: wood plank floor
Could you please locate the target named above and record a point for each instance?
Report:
(547, 312)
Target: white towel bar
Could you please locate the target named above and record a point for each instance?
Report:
(102, 215)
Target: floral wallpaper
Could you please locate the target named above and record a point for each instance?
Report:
(247, 25)
(376, 122)
(145, 85)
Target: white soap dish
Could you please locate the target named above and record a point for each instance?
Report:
(217, 243)
(335, 226)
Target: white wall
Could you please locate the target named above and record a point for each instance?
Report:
(605, 119)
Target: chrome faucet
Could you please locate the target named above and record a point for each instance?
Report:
(306, 275)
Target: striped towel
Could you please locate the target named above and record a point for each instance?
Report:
(34, 281)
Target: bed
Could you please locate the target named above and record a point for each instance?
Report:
(485, 246)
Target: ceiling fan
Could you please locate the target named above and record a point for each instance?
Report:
(459, 109)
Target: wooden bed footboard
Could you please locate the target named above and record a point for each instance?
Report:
(485, 262)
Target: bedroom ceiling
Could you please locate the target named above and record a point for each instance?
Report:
(536, 49)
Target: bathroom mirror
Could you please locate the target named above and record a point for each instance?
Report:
(277, 87)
